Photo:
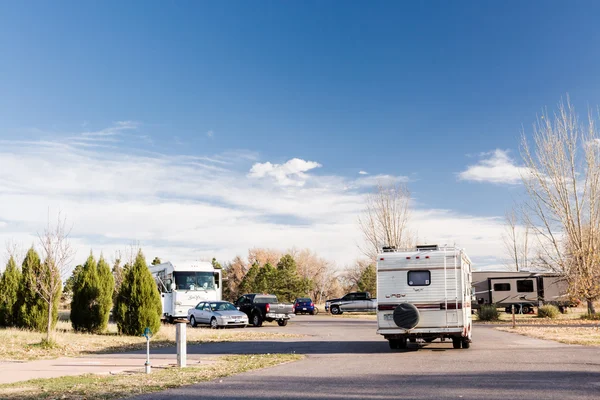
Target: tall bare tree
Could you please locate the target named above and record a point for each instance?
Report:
(562, 180)
(385, 220)
(516, 241)
(57, 253)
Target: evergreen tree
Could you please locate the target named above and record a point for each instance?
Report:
(70, 282)
(85, 315)
(156, 261)
(368, 280)
(138, 304)
(9, 288)
(107, 287)
(288, 283)
(118, 274)
(32, 309)
(265, 279)
(248, 282)
(216, 264)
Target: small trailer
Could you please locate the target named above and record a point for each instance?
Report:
(524, 290)
(424, 294)
(182, 287)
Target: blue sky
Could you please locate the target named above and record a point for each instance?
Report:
(417, 91)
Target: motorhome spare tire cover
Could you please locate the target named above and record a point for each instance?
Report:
(406, 316)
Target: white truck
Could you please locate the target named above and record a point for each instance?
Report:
(181, 288)
(424, 294)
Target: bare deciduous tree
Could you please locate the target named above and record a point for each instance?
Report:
(516, 241)
(385, 220)
(562, 180)
(57, 253)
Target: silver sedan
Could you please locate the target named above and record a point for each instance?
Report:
(217, 314)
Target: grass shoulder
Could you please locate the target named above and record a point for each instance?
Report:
(93, 387)
(21, 344)
(581, 335)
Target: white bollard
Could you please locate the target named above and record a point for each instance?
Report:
(181, 341)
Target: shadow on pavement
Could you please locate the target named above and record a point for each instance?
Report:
(468, 385)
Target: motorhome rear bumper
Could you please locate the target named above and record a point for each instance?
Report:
(419, 331)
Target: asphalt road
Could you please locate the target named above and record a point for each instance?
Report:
(346, 359)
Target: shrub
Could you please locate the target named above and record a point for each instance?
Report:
(32, 310)
(9, 288)
(548, 311)
(84, 305)
(138, 303)
(592, 317)
(488, 312)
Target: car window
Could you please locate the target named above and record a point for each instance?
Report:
(361, 296)
(501, 287)
(265, 299)
(349, 297)
(199, 306)
(206, 307)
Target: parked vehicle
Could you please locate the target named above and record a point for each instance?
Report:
(182, 287)
(352, 302)
(304, 305)
(524, 290)
(217, 314)
(264, 307)
(424, 294)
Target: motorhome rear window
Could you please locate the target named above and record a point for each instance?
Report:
(525, 286)
(501, 287)
(419, 278)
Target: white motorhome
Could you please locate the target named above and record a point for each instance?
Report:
(424, 294)
(181, 288)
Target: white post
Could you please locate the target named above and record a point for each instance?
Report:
(181, 341)
(147, 364)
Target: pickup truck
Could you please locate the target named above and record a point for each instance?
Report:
(264, 307)
(352, 302)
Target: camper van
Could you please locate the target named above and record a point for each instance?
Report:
(424, 294)
(181, 288)
(523, 290)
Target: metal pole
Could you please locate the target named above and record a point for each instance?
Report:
(147, 364)
(181, 341)
(514, 321)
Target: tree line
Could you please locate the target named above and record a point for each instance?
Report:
(293, 274)
(94, 290)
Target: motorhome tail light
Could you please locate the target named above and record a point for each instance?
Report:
(381, 259)
(408, 258)
(268, 307)
(426, 256)
(386, 307)
(417, 257)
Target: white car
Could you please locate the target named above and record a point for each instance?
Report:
(217, 314)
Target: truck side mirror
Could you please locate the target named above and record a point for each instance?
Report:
(172, 286)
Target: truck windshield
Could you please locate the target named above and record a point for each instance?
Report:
(194, 280)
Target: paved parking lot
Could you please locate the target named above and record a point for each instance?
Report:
(346, 359)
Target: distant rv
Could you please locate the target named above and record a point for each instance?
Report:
(182, 288)
(524, 290)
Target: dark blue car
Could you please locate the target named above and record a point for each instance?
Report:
(304, 305)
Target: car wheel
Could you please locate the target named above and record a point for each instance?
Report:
(466, 343)
(456, 342)
(393, 343)
(335, 310)
(213, 323)
(526, 309)
(508, 310)
(282, 322)
(256, 320)
(313, 312)
(193, 321)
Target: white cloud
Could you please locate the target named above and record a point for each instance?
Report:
(498, 167)
(116, 129)
(381, 179)
(363, 173)
(291, 173)
(184, 208)
(210, 134)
